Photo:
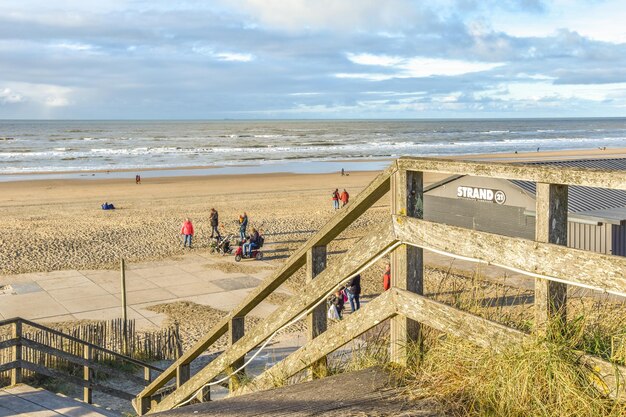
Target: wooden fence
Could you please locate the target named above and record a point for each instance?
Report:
(27, 349)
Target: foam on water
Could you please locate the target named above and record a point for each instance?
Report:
(40, 146)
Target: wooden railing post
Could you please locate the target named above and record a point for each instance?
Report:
(316, 320)
(16, 373)
(183, 373)
(407, 262)
(236, 332)
(87, 355)
(550, 227)
(147, 375)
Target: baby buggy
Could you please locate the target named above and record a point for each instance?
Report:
(221, 245)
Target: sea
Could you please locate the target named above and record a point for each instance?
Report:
(66, 148)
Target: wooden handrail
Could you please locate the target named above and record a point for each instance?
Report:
(586, 177)
(351, 262)
(555, 262)
(363, 201)
(80, 341)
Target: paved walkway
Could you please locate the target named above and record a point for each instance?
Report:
(95, 294)
(24, 400)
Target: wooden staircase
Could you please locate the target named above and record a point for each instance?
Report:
(404, 235)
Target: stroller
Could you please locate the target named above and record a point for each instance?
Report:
(222, 245)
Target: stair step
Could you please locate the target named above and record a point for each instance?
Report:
(363, 393)
(24, 400)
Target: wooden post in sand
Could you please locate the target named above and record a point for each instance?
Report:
(124, 314)
(407, 262)
(550, 227)
(316, 320)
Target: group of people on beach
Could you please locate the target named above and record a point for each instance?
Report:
(351, 292)
(336, 197)
(251, 241)
(187, 229)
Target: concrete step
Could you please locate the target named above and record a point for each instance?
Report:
(23, 400)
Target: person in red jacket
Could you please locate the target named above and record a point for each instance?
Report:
(387, 277)
(344, 197)
(187, 231)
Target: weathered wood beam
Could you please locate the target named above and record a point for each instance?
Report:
(587, 177)
(407, 262)
(574, 266)
(359, 255)
(76, 380)
(456, 322)
(342, 332)
(316, 321)
(235, 332)
(16, 352)
(359, 204)
(550, 227)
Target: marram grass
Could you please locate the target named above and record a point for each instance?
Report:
(539, 378)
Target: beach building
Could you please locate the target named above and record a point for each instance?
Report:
(596, 218)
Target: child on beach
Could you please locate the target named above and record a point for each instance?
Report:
(187, 231)
(243, 225)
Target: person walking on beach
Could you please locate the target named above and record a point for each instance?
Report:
(187, 231)
(243, 225)
(387, 277)
(137, 179)
(353, 290)
(343, 172)
(214, 218)
(344, 197)
(335, 197)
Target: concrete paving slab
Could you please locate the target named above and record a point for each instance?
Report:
(224, 301)
(57, 319)
(214, 274)
(196, 288)
(42, 276)
(78, 292)
(64, 282)
(144, 296)
(194, 267)
(132, 284)
(157, 271)
(98, 302)
(25, 287)
(181, 278)
(107, 314)
(31, 306)
(237, 283)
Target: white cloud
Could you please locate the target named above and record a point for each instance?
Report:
(415, 67)
(223, 56)
(45, 95)
(234, 57)
(341, 15)
(523, 91)
(74, 46)
(10, 97)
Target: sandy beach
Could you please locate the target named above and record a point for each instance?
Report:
(58, 224)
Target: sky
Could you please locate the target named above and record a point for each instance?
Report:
(301, 59)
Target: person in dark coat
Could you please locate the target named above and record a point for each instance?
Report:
(353, 291)
(243, 225)
(213, 217)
